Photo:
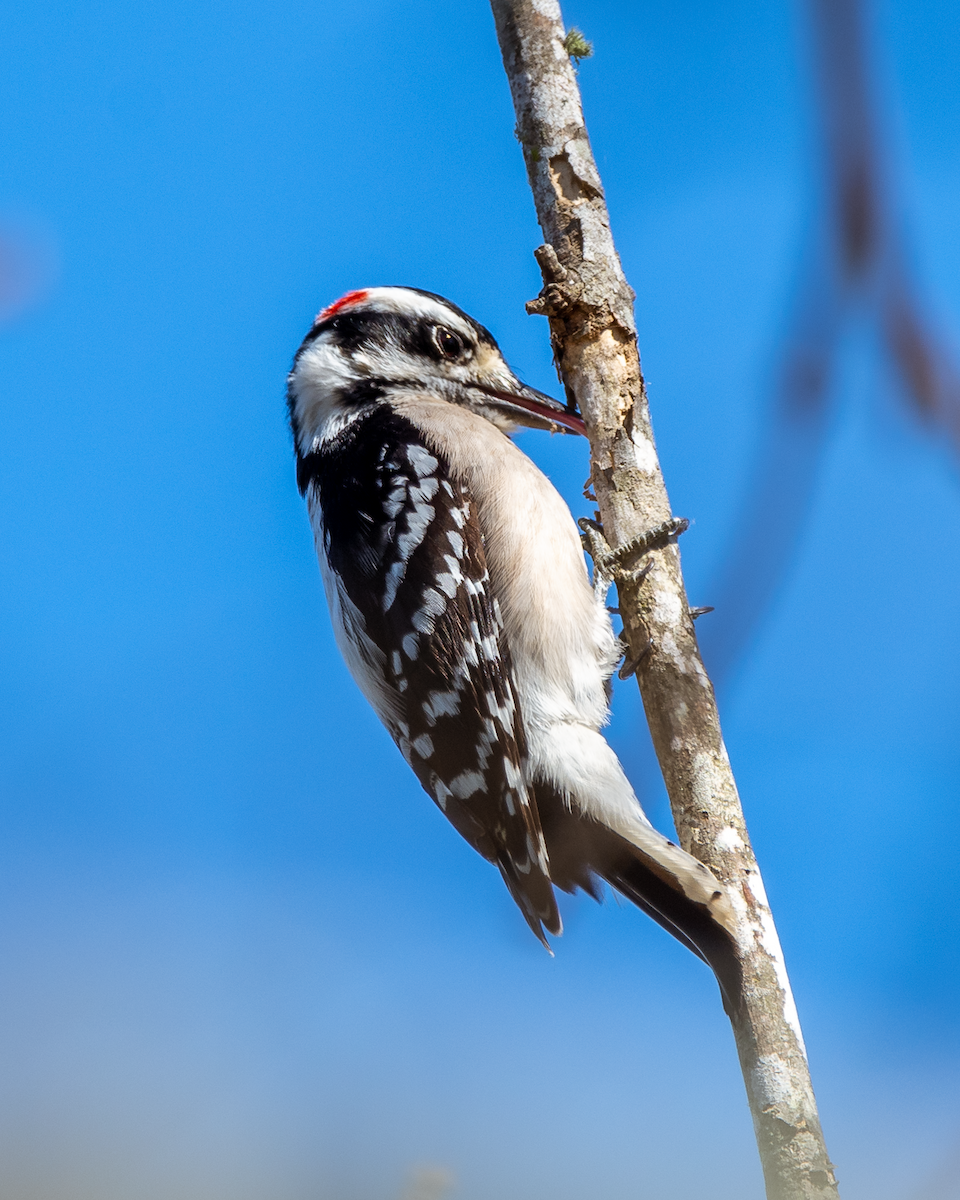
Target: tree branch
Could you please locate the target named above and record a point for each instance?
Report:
(590, 307)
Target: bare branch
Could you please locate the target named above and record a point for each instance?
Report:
(590, 307)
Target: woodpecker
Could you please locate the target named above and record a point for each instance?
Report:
(460, 599)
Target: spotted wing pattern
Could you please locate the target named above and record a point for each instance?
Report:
(404, 549)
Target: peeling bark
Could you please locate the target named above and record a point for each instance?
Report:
(590, 307)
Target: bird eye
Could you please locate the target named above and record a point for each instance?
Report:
(449, 345)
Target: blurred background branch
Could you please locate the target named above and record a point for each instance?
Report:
(854, 263)
(428, 1182)
(27, 268)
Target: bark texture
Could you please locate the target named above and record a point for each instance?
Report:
(590, 306)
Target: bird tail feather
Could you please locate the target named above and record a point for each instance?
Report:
(678, 892)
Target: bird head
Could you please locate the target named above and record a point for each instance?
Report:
(372, 342)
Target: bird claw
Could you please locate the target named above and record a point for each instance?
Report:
(610, 564)
(632, 665)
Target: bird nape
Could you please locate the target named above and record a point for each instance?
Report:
(460, 600)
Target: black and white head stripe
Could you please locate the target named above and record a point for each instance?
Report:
(400, 540)
(378, 341)
(389, 309)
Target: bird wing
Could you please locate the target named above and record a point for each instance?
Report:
(407, 580)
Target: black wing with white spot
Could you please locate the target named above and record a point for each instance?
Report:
(404, 549)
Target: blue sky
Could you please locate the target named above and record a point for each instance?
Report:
(244, 955)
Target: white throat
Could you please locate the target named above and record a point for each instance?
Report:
(318, 381)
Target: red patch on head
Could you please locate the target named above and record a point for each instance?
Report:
(344, 302)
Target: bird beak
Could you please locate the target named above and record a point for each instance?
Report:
(527, 406)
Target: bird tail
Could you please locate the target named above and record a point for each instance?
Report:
(678, 892)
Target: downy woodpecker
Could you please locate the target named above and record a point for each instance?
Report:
(460, 600)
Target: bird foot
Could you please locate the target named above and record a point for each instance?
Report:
(630, 666)
(612, 564)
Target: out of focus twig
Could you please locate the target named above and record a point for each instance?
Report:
(27, 269)
(854, 261)
(428, 1183)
